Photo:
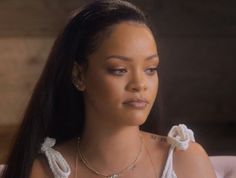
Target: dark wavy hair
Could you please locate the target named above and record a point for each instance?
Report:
(56, 107)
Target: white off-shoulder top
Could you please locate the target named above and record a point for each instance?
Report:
(178, 137)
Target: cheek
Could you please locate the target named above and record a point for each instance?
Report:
(104, 86)
(153, 86)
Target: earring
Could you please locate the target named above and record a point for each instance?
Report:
(76, 78)
(79, 85)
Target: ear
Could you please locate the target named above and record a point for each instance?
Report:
(78, 78)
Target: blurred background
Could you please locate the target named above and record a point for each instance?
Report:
(197, 49)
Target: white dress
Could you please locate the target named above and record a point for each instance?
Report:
(178, 137)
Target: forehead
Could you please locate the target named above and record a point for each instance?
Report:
(128, 39)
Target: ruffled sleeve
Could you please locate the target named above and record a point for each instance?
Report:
(178, 137)
(57, 163)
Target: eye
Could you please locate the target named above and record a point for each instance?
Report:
(152, 71)
(118, 72)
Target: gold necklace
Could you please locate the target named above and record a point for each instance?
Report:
(150, 159)
(114, 175)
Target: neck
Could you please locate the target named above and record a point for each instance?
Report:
(109, 150)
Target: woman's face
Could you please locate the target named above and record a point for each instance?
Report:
(122, 69)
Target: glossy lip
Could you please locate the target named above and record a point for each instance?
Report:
(138, 103)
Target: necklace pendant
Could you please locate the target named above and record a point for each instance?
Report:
(114, 176)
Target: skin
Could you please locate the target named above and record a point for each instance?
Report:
(133, 77)
(112, 128)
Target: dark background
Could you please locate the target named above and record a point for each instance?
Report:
(196, 41)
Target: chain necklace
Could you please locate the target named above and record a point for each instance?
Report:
(113, 175)
(150, 159)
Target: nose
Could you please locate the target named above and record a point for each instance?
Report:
(137, 83)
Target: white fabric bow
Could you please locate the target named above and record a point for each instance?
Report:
(57, 163)
(180, 136)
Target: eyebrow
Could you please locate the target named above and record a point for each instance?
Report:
(124, 58)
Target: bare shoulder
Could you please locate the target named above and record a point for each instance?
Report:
(67, 149)
(157, 141)
(158, 147)
(40, 168)
(193, 162)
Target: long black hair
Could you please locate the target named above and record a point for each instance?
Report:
(56, 107)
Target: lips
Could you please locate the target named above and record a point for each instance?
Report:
(138, 103)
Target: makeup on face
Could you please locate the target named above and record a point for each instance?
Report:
(119, 65)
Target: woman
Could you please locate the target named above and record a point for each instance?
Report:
(97, 88)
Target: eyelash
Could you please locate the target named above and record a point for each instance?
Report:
(114, 71)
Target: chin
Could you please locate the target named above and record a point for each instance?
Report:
(135, 120)
(132, 117)
(137, 123)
